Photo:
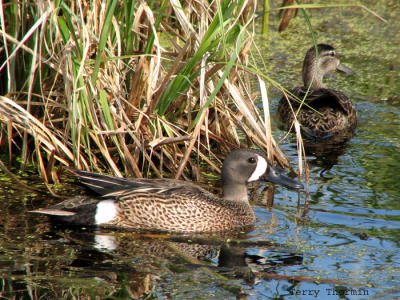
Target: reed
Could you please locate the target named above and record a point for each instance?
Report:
(133, 87)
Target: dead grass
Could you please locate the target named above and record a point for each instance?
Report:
(145, 91)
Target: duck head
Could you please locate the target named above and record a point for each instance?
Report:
(318, 65)
(248, 165)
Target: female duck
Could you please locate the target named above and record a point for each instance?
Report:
(325, 113)
(171, 205)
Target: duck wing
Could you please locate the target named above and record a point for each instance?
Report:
(324, 113)
(320, 98)
(121, 188)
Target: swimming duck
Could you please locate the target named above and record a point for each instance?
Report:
(169, 204)
(326, 112)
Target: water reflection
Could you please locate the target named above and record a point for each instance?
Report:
(136, 262)
(322, 153)
(325, 155)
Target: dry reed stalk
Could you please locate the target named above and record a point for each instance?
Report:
(145, 108)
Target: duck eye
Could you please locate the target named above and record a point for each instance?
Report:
(252, 160)
(332, 53)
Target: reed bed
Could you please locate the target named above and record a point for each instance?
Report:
(129, 87)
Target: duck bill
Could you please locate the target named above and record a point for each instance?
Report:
(274, 176)
(344, 69)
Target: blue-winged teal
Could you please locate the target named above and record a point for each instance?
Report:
(172, 205)
(332, 114)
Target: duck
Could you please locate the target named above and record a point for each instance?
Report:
(326, 113)
(169, 204)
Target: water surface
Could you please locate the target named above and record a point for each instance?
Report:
(345, 246)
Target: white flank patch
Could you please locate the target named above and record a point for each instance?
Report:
(105, 242)
(106, 211)
(260, 169)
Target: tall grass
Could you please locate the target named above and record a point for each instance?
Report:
(134, 87)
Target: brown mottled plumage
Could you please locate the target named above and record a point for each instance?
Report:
(168, 204)
(325, 112)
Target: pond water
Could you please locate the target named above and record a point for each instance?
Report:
(345, 246)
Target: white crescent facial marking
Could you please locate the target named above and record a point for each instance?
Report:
(106, 211)
(261, 168)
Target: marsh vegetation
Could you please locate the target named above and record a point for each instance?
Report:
(134, 88)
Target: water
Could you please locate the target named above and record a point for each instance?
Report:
(346, 246)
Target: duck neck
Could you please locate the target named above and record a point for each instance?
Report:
(235, 192)
(310, 71)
